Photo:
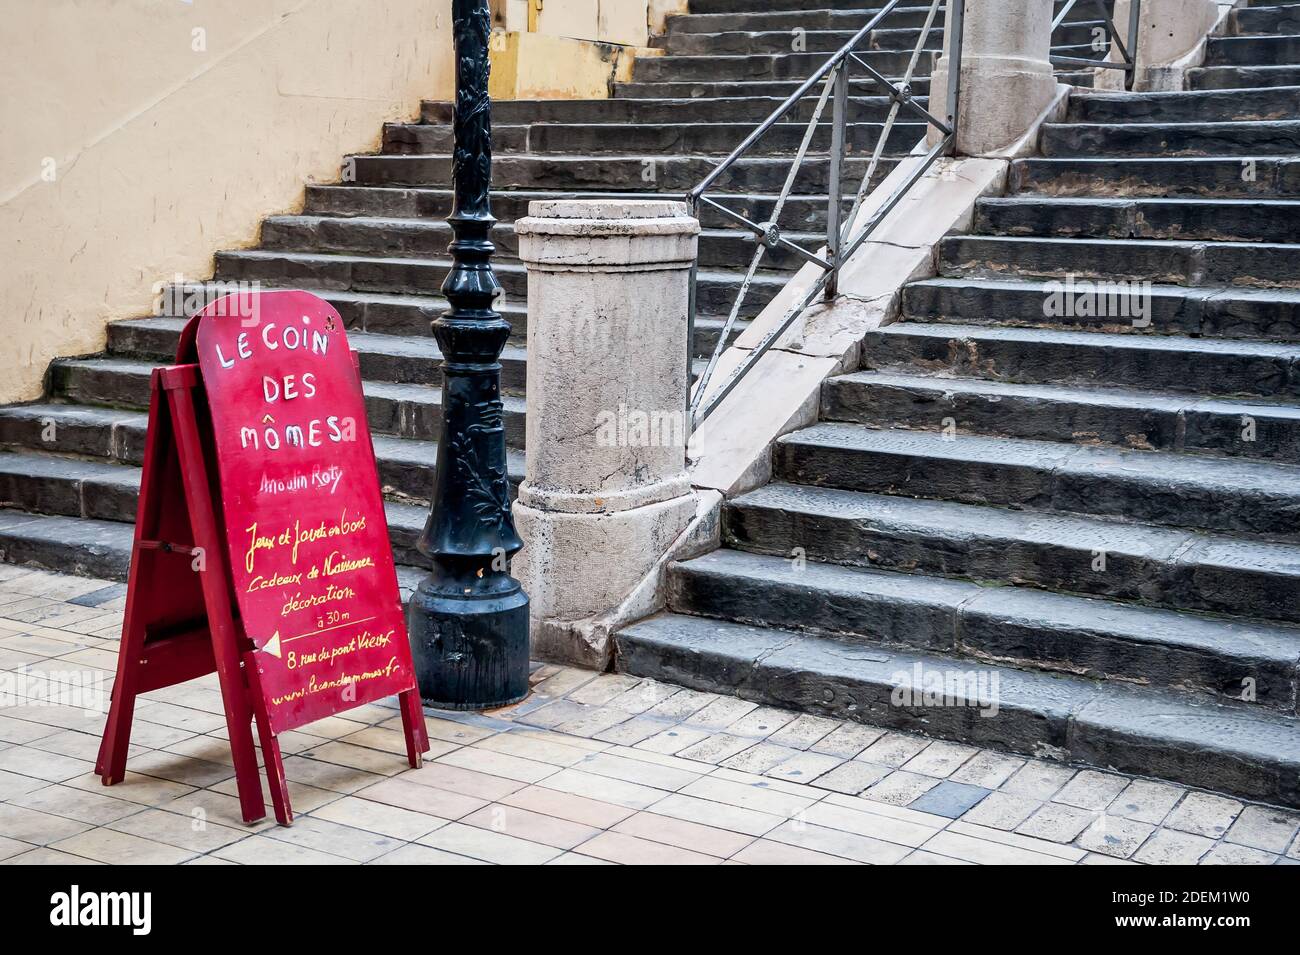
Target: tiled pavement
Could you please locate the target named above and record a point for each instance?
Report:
(591, 768)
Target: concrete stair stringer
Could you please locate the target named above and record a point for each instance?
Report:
(731, 451)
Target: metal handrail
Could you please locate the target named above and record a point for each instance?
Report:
(841, 239)
(1127, 49)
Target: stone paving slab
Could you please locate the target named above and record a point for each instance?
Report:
(591, 769)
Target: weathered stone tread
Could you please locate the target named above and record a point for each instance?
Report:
(1239, 749)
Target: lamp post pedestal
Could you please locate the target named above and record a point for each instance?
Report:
(470, 644)
(468, 620)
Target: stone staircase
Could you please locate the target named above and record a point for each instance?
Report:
(374, 245)
(915, 534)
(1078, 502)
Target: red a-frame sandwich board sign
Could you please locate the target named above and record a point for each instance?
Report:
(261, 548)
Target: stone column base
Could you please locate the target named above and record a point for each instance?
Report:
(1171, 37)
(598, 558)
(1001, 98)
(606, 493)
(1006, 76)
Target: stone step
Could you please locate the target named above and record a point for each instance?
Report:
(649, 174)
(406, 466)
(507, 139)
(1252, 50)
(1221, 494)
(372, 235)
(706, 89)
(864, 8)
(825, 16)
(1082, 11)
(91, 548)
(801, 213)
(107, 382)
(665, 139)
(1199, 366)
(67, 487)
(1153, 260)
(414, 202)
(390, 237)
(826, 31)
(764, 66)
(1211, 106)
(1249, 220)
(707, 333)
(828, 35)
(862, 109)
(1127, 418)
(403, 410)
(402, 359)
(377, 312)
(1241, 178)
(1240, 749)
(715, 291)
(731, 42)
(1080, 79)
(114, 434)
(1072, 38)
(1264, 20)
(1163, 310)
(67, 545)
(1022, 626)
(48, 484)
(1273, 138)
(867, 7)
(1242, 77)
(385, 355)
(1152, 566)
(407, 471)
(1083, 51)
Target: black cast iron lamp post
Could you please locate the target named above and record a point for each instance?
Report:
(468, 619)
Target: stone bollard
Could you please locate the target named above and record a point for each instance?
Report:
(1170, 33)
(1006, 77)
(606, 490)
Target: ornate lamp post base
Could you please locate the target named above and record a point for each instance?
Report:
(468, 620)
(471, 650)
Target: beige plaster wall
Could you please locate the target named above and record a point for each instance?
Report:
(569, 49)
(610, 21)
(658, 12)
(140, 136)
(540, 66)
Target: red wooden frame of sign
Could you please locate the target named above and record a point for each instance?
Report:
(181, 624)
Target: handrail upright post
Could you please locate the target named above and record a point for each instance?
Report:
(953, 29)
(1134, 28)
(693, 206)
(835, 192)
